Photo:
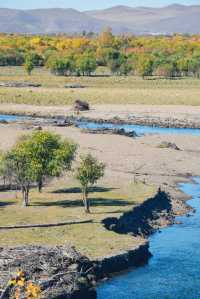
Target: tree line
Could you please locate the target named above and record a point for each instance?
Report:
(43, 155)
(165, 56)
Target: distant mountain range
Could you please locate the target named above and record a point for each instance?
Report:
(123, 19)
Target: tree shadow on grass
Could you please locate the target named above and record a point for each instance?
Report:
(4, 204)
(163, 78)
(77, 190)
(95, 202)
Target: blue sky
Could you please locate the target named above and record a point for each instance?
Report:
(88, 4)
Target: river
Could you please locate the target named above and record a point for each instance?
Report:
(10, 118)
(174, 270)
(139, 129)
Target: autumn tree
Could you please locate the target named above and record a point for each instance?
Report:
(144, 66)
(88, 173)
(106, 38)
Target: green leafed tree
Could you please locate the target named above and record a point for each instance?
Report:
(51, 154)
(29, 64)
(60, 66)
(88, 173)
(86, 64)
(36, 157)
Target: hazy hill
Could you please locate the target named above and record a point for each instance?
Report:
(170, 19)
(46, 21)
(123, 19)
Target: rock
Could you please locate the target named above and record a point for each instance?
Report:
(74, 86)
(111, 131)
(63, 123)
(166, 144)
(81, 106)
(19, 84)
(60, 272)
(3, 121)
(38, 128)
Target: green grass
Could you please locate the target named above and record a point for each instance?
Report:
(57, 204)
(99, 90)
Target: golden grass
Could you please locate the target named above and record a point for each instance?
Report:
(99, 90)
(53, 206)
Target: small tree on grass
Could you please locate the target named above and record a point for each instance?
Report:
(37, 156)
(88, 173)
(20, 165)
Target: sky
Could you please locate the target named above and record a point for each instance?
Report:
(88, 4)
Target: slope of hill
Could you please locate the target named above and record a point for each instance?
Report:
(123, 19)
(47, 21)
(169, 19)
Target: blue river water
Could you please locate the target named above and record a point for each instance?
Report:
(140, 130)
(174, 270)
(10, 118)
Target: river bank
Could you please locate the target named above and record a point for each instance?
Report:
(153, 115)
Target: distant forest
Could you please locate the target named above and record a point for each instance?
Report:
(163, 56)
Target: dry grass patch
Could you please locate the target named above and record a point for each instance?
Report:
(99, 89)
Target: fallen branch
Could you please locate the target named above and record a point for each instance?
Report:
(45, 225)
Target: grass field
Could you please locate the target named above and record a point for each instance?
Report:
(99, 89)
(57, 204)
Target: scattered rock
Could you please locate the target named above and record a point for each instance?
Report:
(39, 128)
(19, 84)
(166, 144)
(81, 106)
(111, 131)
(63, 123)
(3, 121)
